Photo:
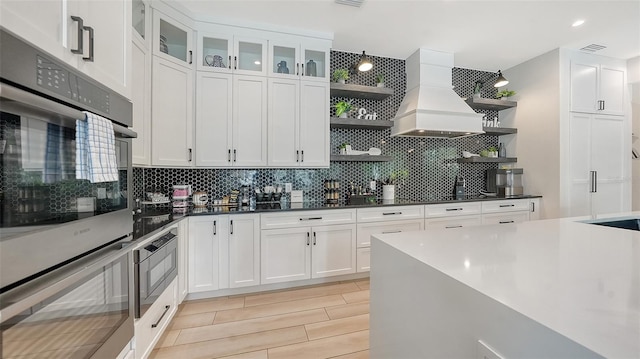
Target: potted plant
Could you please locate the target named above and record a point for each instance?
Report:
(342, 108)
(380, 80)
(505, 94)
(493, 151)
(340, 75)
(343, 148)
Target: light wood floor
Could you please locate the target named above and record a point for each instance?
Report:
(325, 321)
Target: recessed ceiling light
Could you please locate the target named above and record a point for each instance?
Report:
(577, 23)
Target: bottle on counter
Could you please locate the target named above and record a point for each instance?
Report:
(502, 151)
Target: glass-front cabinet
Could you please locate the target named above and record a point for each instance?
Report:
(304, 60)
(226, 53)
(172, 40)
(138, 17)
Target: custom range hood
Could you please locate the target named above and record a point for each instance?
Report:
(430, 107)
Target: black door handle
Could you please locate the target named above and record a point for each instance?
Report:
(90, 57)
(80, 22)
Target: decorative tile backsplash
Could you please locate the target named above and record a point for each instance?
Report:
(430, 164)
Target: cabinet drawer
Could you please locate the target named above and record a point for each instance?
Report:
(509, 205)
(452, 222)
(363, 259)
(505, 218)
(307, 218)
(451, 209)
(367, 229)
(153, 323)
(390, 213)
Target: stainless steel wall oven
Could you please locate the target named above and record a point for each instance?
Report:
(61, 239)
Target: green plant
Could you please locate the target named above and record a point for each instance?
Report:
(492, 149)
(342, 107)
(505, 93)
(340, 74)
(396, 176)
(379, 78)
(343, 145)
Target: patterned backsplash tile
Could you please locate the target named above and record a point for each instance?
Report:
(430, 164)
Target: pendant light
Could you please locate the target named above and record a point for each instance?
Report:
(501, 81)
(364, 64)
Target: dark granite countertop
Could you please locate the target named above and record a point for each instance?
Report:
(151, 222)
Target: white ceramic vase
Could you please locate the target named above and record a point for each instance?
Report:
(388, 192)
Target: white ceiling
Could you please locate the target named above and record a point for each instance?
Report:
(483, 35)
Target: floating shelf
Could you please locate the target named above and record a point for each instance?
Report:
(360, 158)
(360, 124)
(479, 103)
(360, 91)
(498, 131)
(487, 160)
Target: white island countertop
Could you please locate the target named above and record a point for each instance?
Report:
(580, 280)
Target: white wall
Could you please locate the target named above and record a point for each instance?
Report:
(537, 118)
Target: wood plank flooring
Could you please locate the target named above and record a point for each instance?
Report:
(323, 321)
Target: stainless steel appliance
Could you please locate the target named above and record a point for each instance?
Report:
(155, 266)
(505, 182)
(50, 220)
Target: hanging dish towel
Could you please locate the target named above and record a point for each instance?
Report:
(95, 149)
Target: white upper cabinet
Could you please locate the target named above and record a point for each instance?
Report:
(597, 88)
(306, 59)
(141, 99)
(214, 106)
(92, 36)
(172, 40)
(232, 54)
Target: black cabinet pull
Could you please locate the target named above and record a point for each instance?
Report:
(235, 62)
(453, 209)
(297, 156)
(297, 69)
(302, 155)
(190, 155)
(90, 57)
(229, 156)
(387, 232)
(533, 206)
(235, 156)
(302, 74)
(504, 222)
(166, 309)
(215, 228)
(229, 62)
(507, 205)
(231, 226)
(80, 22)
(310, 218)
(308, 238)
(390, 213)
(458, 226)
(314, 238)
(190, 57)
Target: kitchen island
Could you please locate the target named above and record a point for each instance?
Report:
(557, 288)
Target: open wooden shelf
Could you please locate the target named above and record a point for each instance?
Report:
(360, 158)
(479, 103)
(499, 131)
(487, 160)
(360, 91)
(337, 122)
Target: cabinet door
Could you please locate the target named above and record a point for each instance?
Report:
(284, 60)
(285, 255)
(363, 259)
(315, 61)
(250, 57)
(333, 250)
(172, 101)
(172, 40)
(452, 222)
(284, 100)
(244, 250)
(608, 157)
(249, 121)
(366, 230)
(584, 87)
(110, 21)
(183, 259)
(314, 124)
(505, 218)
(141, 99)
(215, 52)
(612, 85)
(47, 24)
(205, 236)
(580, 164)
(214, 105)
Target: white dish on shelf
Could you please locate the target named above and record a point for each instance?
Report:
(154, 202)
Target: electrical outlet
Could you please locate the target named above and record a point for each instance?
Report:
(287, 187)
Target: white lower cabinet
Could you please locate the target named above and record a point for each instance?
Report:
(452, 222)
(509, 211)
(149, 328)
(183, 259)
(505, 218)
(224, 252)
(309, 244)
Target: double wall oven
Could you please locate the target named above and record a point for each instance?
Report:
(65, 261)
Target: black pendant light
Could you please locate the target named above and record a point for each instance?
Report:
(364, 64)
(501, 81)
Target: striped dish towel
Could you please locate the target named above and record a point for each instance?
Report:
(95, 149)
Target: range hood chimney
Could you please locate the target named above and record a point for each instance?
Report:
(430, 107)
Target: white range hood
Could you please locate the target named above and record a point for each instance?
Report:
(430, 107)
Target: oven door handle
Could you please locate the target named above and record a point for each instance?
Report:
(69, 114)
(32, 293)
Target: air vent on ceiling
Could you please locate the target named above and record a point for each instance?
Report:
(355, 3)
(593, 48)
